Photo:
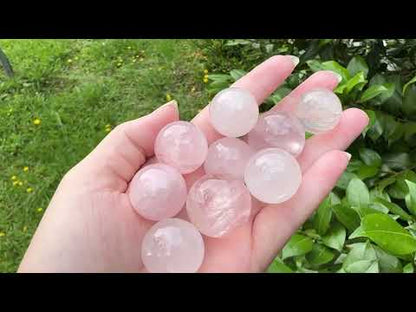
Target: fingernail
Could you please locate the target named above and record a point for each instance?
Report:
(295, 59)
(338, 76)
(348, 155)
(172, 103)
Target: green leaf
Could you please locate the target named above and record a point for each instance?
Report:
(386, 262)
(361, 259)
(357, 81)
(278, 266)
(409, 101)
(323, 215)
(411, 197)
(397, 161)
(413, 80)
(319, 255)
(345, 179)
(329, 65)
(396, 209)
(372, 92)
(219, 77)
(237, 74)
(297, 245)
(335, 237)
(347, 216)
(388, 234)
(408, 268)
(372, 119)
(357, 193)
(357, 64)
(376, 130)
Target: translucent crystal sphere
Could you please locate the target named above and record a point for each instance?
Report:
(218, 205)
(273, 175)
(173, 246)
(228, 157)
(319, 110)
(157, 191)
(278, 129)
(182, 145)
(233, 112)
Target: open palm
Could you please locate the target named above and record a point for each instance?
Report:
(90, 225)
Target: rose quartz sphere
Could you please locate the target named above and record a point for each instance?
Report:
(173, 246)
(182, 145)
(319, 110)
(273, 175)
(218, 205)
(157, 191)
(228, 157)
(278, 129)
(233, 112)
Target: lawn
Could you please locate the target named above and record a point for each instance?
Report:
(66, 95)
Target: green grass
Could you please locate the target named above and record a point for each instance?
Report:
(76, 88)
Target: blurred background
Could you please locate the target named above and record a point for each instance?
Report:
(59, 98)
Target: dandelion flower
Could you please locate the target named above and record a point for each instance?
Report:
(39, 209)
(205, 71)
(69, 61)
(205, 79)
(168, 97)
(36, 121)
(15, 183)
(25, 168)
(2, 234)
(14, 178)
(20, 183)
(29, 190)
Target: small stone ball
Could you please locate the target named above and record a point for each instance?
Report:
(173, 246)
(319, 110)
(273, 175)
(278, 129)
(233, 112)
(218, 205)
(228, 157)
(182, 145)
(157, 191)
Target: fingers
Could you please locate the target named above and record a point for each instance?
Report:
(261, 82)
(274, 224)
(117, 158)
(352, 123)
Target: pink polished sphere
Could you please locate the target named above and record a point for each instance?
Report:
(273, 175)
(173, 246)
(157, 191)
(233, 112)
(319, 110)
(228, 157)
(182, 145)
(278, 129)
(218, 205)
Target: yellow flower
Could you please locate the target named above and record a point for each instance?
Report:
(25, 228)
(29, 190)
(15, 183)
(2, 234)
(168, 97)
(69, 61)
(25, 168)
(39, 209)
(205, 80)
(193, 89)
(206, 76)
(76, 58)
(36, 121)
(14, 178)
(107, 128)
(20, 183)
(205, 71)
(128, 48)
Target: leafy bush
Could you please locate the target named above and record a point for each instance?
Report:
(367, 223)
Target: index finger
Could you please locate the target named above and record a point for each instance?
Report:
(261, 82)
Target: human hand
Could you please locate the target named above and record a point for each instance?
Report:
(90, 225)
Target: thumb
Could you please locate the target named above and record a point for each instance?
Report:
(113, 163)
